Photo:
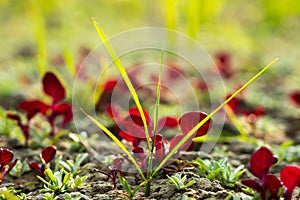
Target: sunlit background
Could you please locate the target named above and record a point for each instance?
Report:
(36, 36)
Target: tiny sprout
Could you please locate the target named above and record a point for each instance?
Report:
(179, 182)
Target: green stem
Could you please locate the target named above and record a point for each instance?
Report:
(155, 123)
(125, 77)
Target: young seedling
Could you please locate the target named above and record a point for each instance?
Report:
(6, 156)
(114, 170)
(73, 167)
(219, 170)
(131, 193)
(179, 182)
(268, 186)
(47, 154)
(53, 88)
(60, 181)
(133, 132)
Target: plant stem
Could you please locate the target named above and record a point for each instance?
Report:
(155, 123)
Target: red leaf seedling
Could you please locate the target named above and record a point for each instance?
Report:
(114, 170)
(268, 185)
(53, 88)
(6, 156)
(133, 131)
(47, 154)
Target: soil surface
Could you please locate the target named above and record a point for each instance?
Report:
(99, 186)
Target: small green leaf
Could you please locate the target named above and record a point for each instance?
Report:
(126, 186)
(66, 178)
(189, 184)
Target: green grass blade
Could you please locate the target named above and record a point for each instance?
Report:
(244, 135)
(189, 134)
(39, 30)
(155, 118)
(124, 75)
(117, 141)
(69, 60)
(140, 185)
(155, 114)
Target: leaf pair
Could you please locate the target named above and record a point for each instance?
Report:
(47, 154)
(268, 185)
(53, 88)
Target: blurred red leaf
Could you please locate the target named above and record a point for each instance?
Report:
(295, 97)
(136, 117)
(37, 167)
(65, 110)
(223, 62)
(190, 119)
(167, 122)
(53, 87)
(110, 85)
(33, 107)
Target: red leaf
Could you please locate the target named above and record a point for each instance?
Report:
(290, 176)
(295, 97)
(110, 85)
(189, 120)
(133, 124)
(136, 117)
(223, 63)
(259, 111)
(273, 184)
(5, 156)
(138, 150)
(36, 167)
(33, 107)
(255, 185)
(65, 110)
(126, 136)
(53, 87)
(233, 102)
(175, 140)
(48, 154)
(261, 161)
(169, 122)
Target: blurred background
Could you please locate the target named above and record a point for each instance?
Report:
(36, 36)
